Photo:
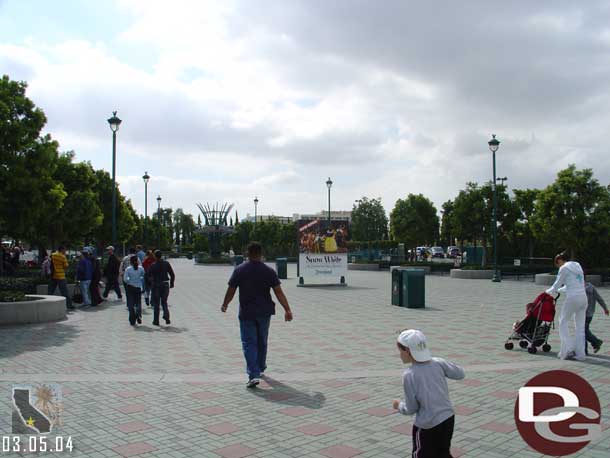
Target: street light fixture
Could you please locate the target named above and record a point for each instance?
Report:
(255, 210)
(159, 221)
(501, 180)
(114, 123)
(329, 184)
(146, 178)
(494, 144)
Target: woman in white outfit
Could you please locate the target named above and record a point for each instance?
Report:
(571, 282)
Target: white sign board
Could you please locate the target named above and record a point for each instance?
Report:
(323, 265)
(517, 262)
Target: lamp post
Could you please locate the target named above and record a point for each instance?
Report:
(494, 144)
(114, 123)
(501, 180)
(145, 178)
(159, 221)
(329, 184)
(255, 211)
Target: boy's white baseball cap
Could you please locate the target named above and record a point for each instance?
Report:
(415, 341)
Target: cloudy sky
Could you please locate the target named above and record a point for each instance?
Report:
(225, 100)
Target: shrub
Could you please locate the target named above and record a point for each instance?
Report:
(12, 296)
(25, 285)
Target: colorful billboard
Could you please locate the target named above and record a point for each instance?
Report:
(322, 250)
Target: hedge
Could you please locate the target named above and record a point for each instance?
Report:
(12, 296)
(25, 285)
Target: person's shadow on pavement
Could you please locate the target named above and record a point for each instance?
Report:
(283, 394)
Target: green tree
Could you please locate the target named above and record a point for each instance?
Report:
(447, 231)
(28, 192)
(414, 221)
(126, 223)
(369, 220)
(573, 213)
(80, 214)
(525, 205)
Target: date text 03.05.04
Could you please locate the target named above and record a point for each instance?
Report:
(34, 444)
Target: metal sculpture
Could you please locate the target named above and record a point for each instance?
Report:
(215, 225)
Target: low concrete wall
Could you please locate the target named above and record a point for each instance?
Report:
(426, 269)
(549, 279)
(43, 290)
(472, 274)
(40, 309)
(363, 267)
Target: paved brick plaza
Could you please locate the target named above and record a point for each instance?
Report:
(333, 372)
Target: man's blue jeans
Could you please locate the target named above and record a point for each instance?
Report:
(84, 289)
(589, 336)
(254, 335)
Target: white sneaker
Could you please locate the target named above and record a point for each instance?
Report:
(252, 383)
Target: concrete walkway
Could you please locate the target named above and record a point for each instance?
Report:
(179, 391)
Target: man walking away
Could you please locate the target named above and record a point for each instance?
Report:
(161, 277)
(593, 297)
(84, 275)
(111, 272)
(255, 280)
(59, 264)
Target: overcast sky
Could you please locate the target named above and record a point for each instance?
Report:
(224, 100)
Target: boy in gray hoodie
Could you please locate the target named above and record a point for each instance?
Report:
(593, 297)
(427, 396)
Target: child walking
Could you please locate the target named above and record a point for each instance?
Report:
(593, 297)
(427, 396)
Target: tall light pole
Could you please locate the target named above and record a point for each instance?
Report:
(255, 210)
(501, 180)
(493, 147)
(329, 184)
(114, 123)
(159, 221)
(145, 178)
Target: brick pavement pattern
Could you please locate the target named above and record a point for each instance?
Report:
(179, 391)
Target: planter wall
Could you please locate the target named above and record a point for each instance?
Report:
(43, 290)
(472, 274)
(40, 309)
(549, 279)
(363, 267)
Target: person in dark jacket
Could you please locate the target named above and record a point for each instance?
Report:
(111, 272)
(84, 274)
(161, 277)
(96, 298)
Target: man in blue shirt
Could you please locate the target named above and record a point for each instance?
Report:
(255, 280)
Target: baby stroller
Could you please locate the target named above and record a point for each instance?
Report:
(533, 331)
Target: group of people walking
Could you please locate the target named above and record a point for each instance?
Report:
(140, 273)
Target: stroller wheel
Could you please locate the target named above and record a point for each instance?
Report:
(532, 350)
(509, 345)
(546, 348)
(523, 343)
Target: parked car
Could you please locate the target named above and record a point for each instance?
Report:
(453, 252)
(437, 252)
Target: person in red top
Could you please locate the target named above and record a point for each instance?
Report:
(149, 260)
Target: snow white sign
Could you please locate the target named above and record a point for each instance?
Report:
(322, 251)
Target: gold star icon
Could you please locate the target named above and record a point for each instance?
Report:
(30, 421)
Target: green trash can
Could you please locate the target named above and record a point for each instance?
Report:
(413, 288)
(397, 286)
(281, 266)
(238, 259)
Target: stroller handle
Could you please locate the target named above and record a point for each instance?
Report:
(557, 297)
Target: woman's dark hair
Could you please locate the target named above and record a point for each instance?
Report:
(565, 257)
(134, 261)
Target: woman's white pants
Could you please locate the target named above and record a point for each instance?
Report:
(573, 309)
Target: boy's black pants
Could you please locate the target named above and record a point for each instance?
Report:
(434, 442)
